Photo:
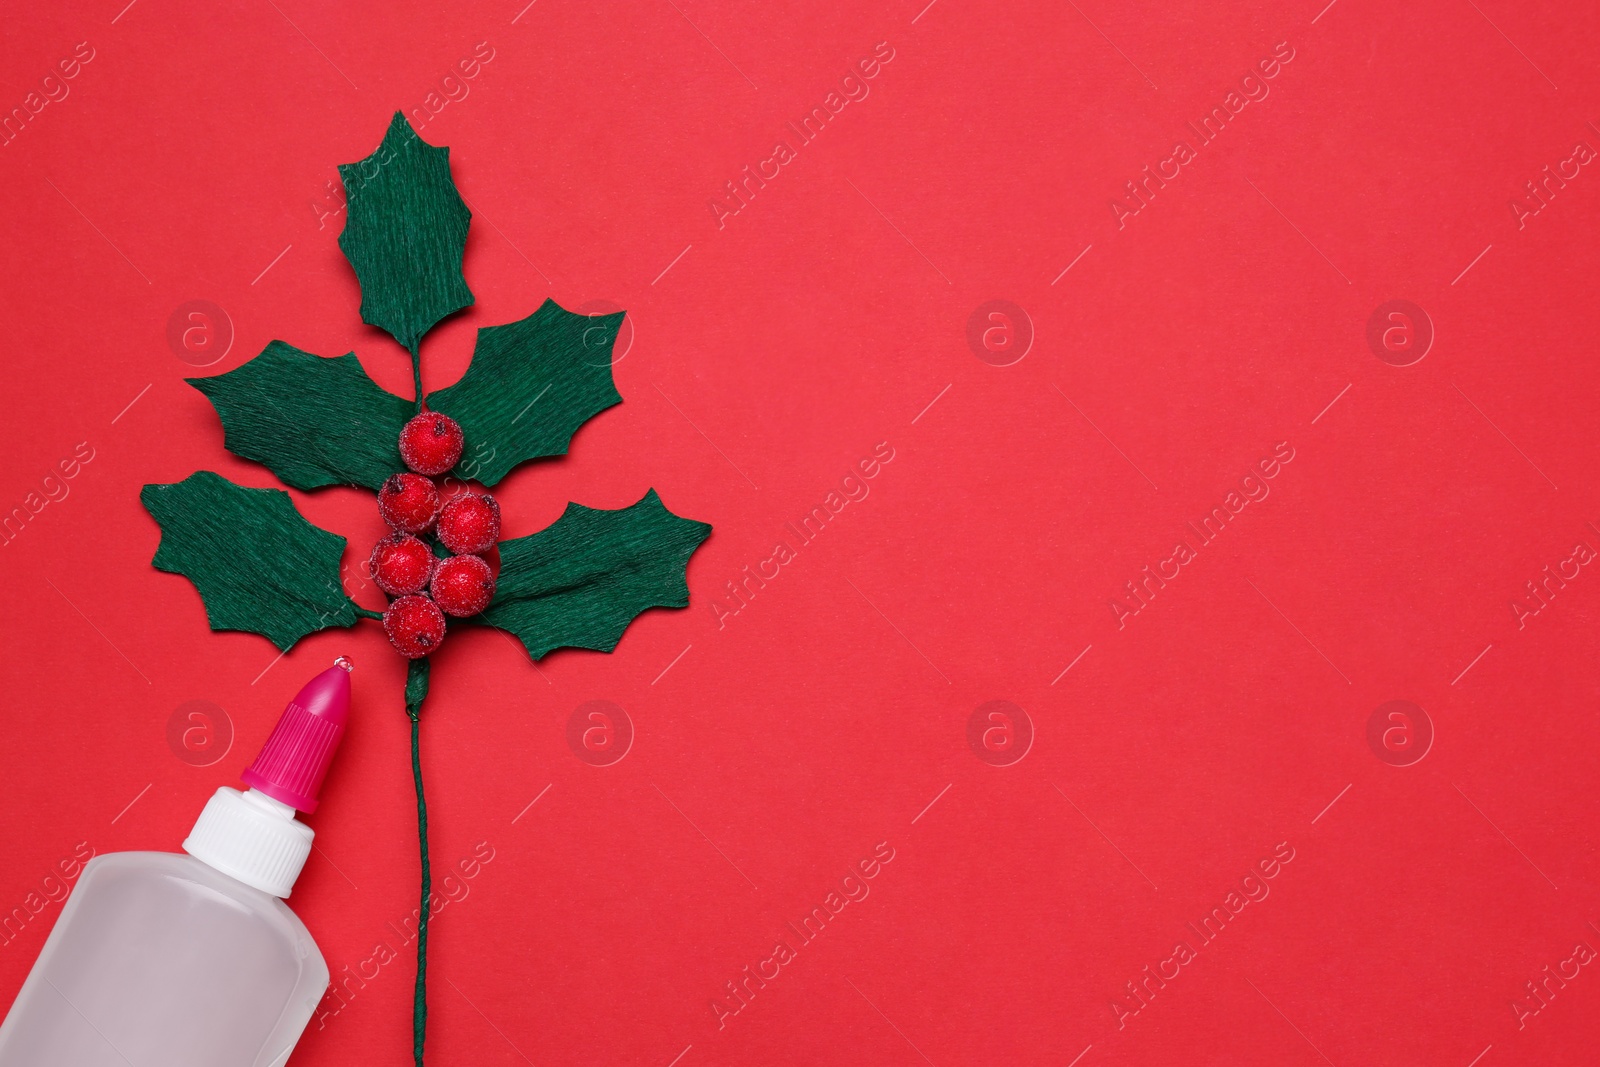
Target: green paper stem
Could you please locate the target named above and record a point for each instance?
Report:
(416, 693)
(416, 372)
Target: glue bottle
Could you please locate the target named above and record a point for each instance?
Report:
(193, 959)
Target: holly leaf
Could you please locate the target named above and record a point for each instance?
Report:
(405, 233)
(530, 385)
(258, 565)
(580, 581)
(312, 421)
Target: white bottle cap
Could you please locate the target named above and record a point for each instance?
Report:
(253, 838)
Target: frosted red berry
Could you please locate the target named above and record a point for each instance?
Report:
(470, 522)
(462, 585)
(409, 502)
(415, 626)
(401, 564)
(431, 443)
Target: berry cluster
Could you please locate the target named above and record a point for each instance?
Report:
(426, 588)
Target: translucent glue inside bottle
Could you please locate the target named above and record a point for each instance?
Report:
(192, 959)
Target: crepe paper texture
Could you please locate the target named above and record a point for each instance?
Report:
(291, 586)
(589, 573)
(531, 385)
(314, 421)
(311, 421)
(405, 234)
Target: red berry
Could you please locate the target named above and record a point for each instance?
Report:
(431, 443)
(470, 523)
(409, 502)
(415, 626)
(401, 564)
(462, 585)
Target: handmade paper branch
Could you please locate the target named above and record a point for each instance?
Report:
(315, 421)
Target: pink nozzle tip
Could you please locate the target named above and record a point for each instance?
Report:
(295, 759)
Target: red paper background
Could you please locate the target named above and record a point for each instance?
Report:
(770, 355)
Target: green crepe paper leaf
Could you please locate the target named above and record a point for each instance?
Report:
(530, 385)
(405, 233)
(258, 565)
(313, 421)
(581, 580)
